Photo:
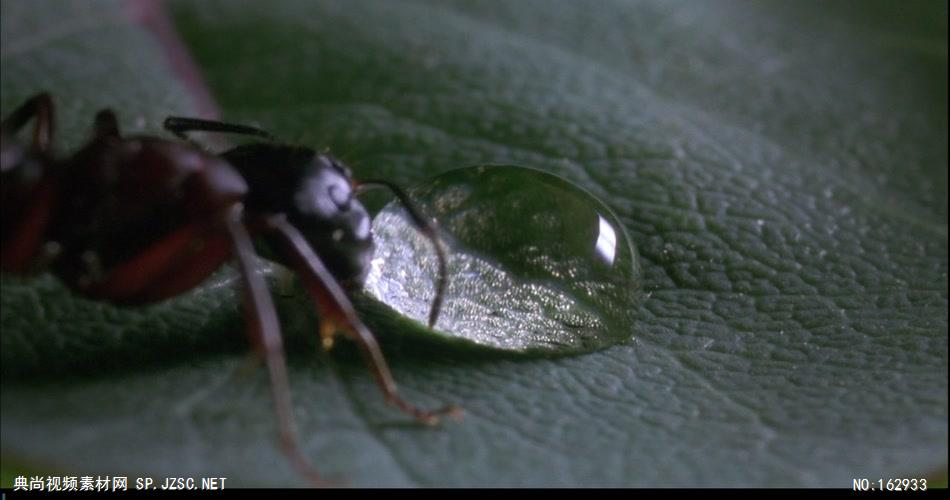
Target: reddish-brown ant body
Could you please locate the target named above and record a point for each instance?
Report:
(135, 220)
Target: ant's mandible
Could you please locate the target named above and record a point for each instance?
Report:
(135, 220)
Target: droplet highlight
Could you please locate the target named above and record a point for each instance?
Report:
(535, 262)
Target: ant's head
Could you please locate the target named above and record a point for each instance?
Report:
(333, 220)
(316, 192)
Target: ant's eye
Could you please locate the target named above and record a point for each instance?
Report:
(342, 168)
(341, 197)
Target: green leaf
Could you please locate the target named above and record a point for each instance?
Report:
(781, 167)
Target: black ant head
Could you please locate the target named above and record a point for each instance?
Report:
(333, 220)
(316, 193)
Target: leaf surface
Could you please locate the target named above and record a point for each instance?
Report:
(781, 167)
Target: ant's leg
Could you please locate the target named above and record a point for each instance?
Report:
(337, 311)
(106, 124)
(427, 227)
(39, 106)
(180, 125)
(265, 333)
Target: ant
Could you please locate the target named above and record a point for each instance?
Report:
(135, 220)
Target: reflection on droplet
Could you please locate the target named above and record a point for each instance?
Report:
(607, 241)
(535, 262)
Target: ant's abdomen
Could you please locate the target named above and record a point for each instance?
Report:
(29, 200)
(142, 220)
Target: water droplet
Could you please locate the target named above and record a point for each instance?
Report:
(535, 262)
